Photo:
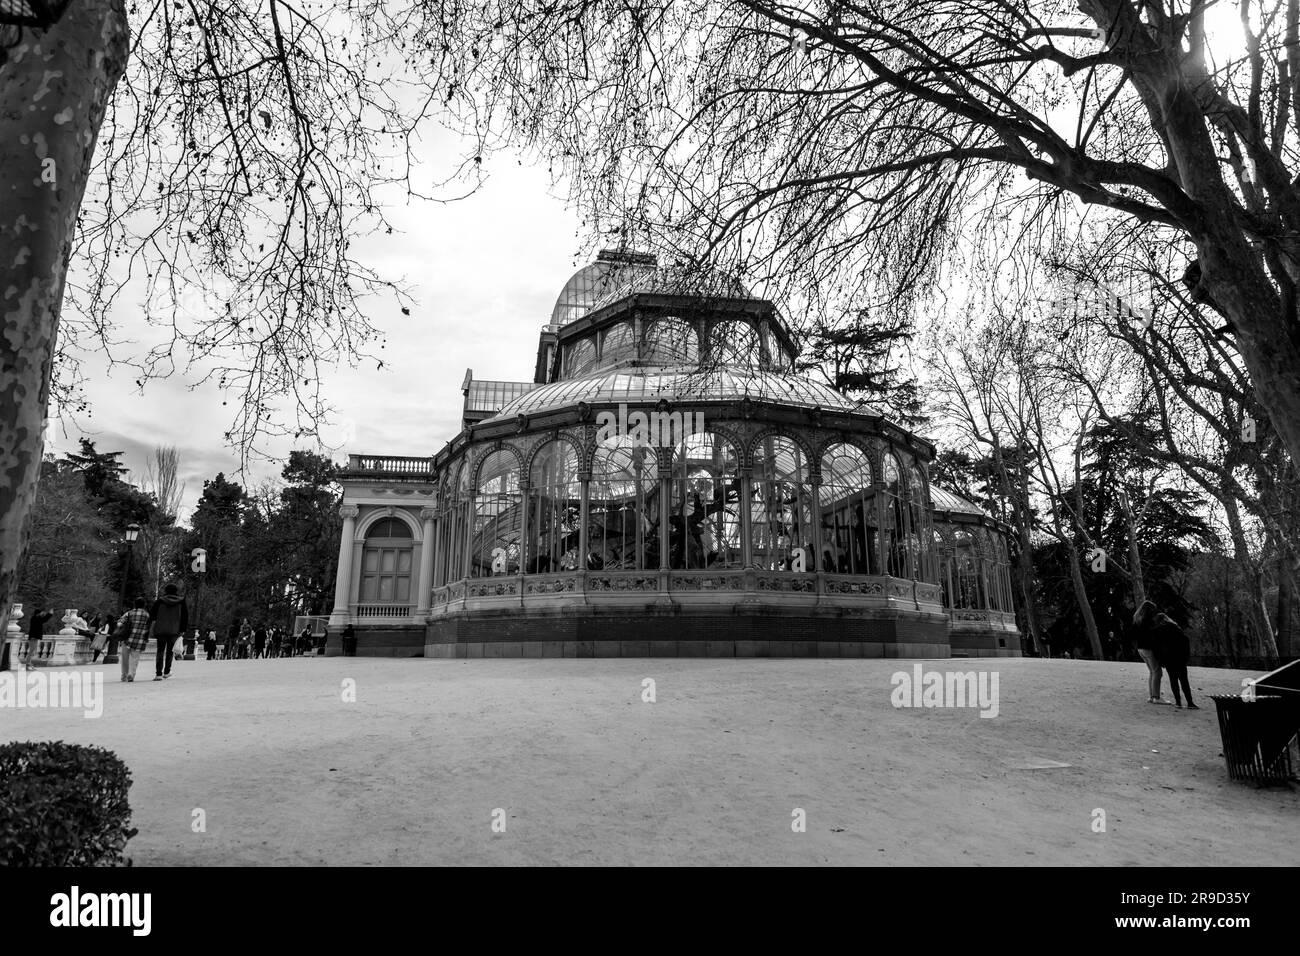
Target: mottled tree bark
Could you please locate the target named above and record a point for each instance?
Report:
(55, 86)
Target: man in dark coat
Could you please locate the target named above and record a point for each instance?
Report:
(36, 633)
(1173, 650)
(168, 618)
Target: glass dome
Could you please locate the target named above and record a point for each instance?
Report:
(593, 282)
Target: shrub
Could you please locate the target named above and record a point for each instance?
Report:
(63, 805)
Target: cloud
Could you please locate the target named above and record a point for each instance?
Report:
(484, 273)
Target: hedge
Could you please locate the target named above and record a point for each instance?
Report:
(63, 805)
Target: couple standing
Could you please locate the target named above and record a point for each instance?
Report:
(1162, 644)
(165, 621)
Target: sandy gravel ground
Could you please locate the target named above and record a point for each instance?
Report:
(289, 773)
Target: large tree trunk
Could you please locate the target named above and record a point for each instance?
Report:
(1085, 607)
(1134, 553)
(1266, 645)
(54, 88)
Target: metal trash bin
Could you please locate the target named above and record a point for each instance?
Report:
(1256, 737)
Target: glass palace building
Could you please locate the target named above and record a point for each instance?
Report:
(666, 485)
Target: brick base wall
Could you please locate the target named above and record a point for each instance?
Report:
(384, 641)
(675, 633)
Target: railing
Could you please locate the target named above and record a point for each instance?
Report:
(389, 466)
(382, 610)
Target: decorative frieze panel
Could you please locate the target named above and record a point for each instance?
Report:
(614, 583)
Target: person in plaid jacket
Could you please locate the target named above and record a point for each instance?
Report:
(133, 630)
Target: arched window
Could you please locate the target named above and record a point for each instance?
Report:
(850, 523)
(895, 519)
(498, 518)
(919, 539)
(777, 356)
(942, 560)
(618, 344)
(734, 342)
(555, 509)
(386, 563)
(966, 568)
(623, 507)
(581, 356)
(672, 341)
(456, 537)
(704, 518)
(781, 505)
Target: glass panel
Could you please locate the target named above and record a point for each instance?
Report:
(498, 517)
(895, 520)
(385, 588)
(389, 561)
(849, 512)
(623, 508)
(781, 509)
(582, 356)
(618, 345)
(403, 589)
(555, 505)
(734, 342)
(371, 561)
(404, 562)
(369, 589)
(672, 341)
(704, 520)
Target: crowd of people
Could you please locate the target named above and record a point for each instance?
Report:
(166, 620)
(246, 641)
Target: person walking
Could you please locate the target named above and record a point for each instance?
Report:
(232, 636)
(1144, 641)
(36, 633)
(170, 616)
(1173, 650)
(210, 645)
(132, 638)
(245, 640)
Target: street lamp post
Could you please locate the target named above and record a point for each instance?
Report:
(132, 532)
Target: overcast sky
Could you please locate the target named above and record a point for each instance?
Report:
(484, 273)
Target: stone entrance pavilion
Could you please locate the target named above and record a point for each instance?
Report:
(667, 486)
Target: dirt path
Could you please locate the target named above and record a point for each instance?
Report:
(287, 772)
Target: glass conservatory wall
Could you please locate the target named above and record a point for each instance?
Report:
(555, 509)
(894, 524)
(734, 342)
(623, 508)
(780, 505)
(672, 341)
(704, 519)
(618, 344)
(498, 517)
(849, 514)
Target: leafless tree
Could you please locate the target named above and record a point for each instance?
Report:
(842, 145)
(229, 157)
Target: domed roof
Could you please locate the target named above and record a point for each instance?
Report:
(648, 385)
(616, 275)
(591, 282)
